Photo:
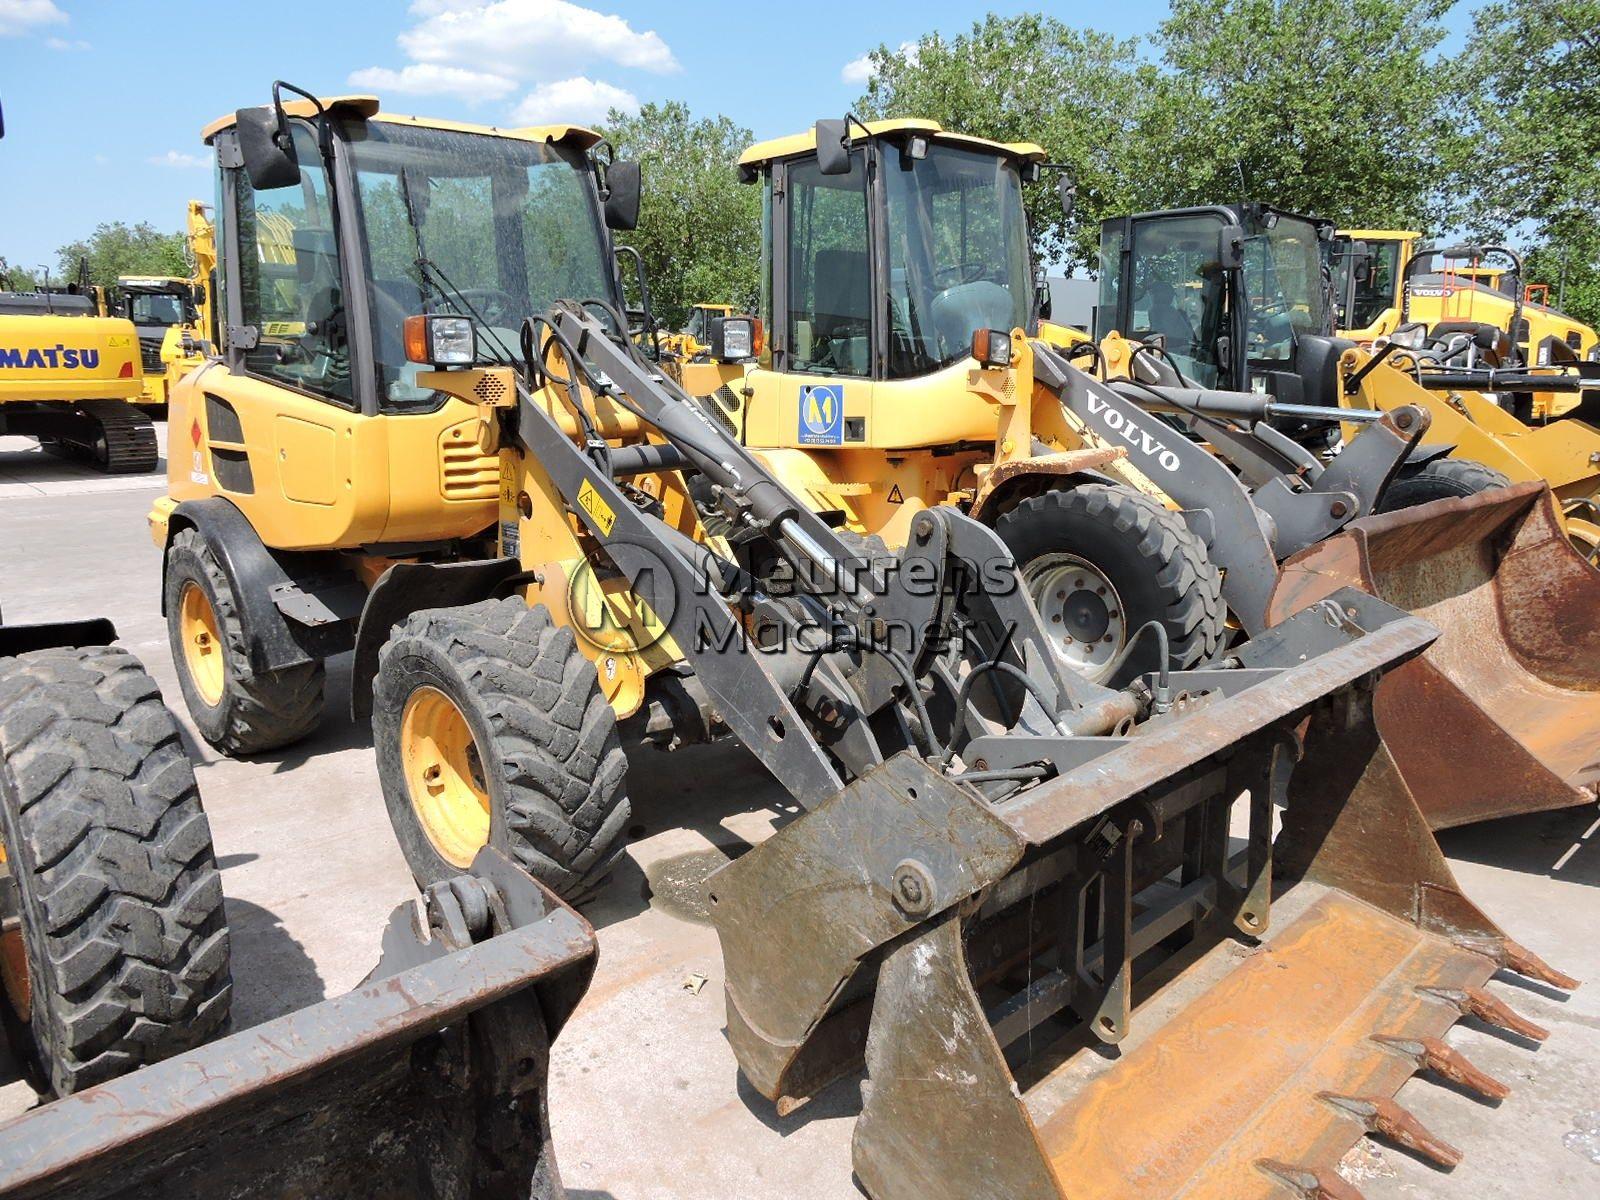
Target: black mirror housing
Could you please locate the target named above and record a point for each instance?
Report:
(833, 147)
(1067, 189)
(1230, 247)
(267, 149)
(623, 184)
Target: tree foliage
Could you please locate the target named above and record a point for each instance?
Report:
(1532, 166)
(116, 248)
(1231, 104)
(699, 228)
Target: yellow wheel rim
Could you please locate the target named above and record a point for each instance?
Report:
(202, 643)
(444, 776)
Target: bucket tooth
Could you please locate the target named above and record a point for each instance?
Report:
(1309, 1183)
(1517, 957)
(1476, 1002)
(1387, 1119)
(1433, 1055)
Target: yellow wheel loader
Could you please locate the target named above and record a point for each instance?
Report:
(994, 852)
(1387, 278)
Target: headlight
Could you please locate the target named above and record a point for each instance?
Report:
(734, 338)
(992, 347)
(441, 341)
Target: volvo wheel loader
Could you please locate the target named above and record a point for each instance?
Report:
(993, 850)
(113, 941)
(1385, 279)
(426, 1082)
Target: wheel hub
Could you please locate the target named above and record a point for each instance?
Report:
(1082, 612)
(202, 643)
(444, 776)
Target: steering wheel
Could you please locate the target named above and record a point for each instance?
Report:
(960, 273)
(497, 307)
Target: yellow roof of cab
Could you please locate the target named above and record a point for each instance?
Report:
(367, 107)
(806, 143)
(1381, 235)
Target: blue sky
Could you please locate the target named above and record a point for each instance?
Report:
(104, 99)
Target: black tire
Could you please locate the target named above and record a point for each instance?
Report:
(546, 739)
(257, 710)
(117, 890)
(1158, 567)
(1439, 479)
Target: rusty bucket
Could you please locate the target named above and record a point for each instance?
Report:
(1502, 714)
(1129, 982)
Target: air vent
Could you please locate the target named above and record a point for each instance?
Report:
(222, 422)
(465, 472)
(490, 388)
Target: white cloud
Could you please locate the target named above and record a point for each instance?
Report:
(523, 38)
(56, 43)
(432, 79)
(177, 158)
(859, 71)
(578, 101)
(28, 16)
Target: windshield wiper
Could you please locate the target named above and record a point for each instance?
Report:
(432, 273)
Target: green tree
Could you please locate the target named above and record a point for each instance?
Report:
(116, 248)
(1532, 166)
(699, 228)
(1033, 78)
(1338, 108)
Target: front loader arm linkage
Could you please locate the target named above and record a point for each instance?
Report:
(871, 657)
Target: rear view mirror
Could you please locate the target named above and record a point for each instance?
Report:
(833, 147)
(1067, 189)
(1230, 247)
(623, 182)
(267, 149)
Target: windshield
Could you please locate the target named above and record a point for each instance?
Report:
(492, 227)
(1283, 280)
(1178, 290)
(1372, 292)
(958, 255)
(155, 308)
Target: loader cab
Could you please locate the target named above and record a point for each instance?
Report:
(334, 223)
(155, 304)
(1367, 266)
(1236, 295)
(881, 259)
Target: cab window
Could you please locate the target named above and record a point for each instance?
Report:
(830, 271)
(292, 292)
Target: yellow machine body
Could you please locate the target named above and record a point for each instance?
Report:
(1468, 293)
(68, 358)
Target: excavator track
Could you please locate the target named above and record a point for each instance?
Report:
(115, 436)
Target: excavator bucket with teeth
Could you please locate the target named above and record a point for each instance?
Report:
(1502, 714)
(1199, 964)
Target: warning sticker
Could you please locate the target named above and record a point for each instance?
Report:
(822, 414)
(896, 496)
(594, 504)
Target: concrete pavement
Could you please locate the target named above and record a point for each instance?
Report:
(645, 1098)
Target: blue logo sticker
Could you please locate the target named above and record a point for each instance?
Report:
(822, 414)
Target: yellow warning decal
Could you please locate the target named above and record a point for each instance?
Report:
(592, 503)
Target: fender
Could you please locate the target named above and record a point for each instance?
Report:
(1423, 454)
(22, 639)
(409, 587)
(261, 578)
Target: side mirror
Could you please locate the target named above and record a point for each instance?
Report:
(1230, 247)
(1042, 301)
(2, 122)
(833, 147)
(1067, 189)
(267, 148)
(623, 180)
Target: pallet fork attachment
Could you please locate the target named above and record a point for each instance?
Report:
(427, 1080)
